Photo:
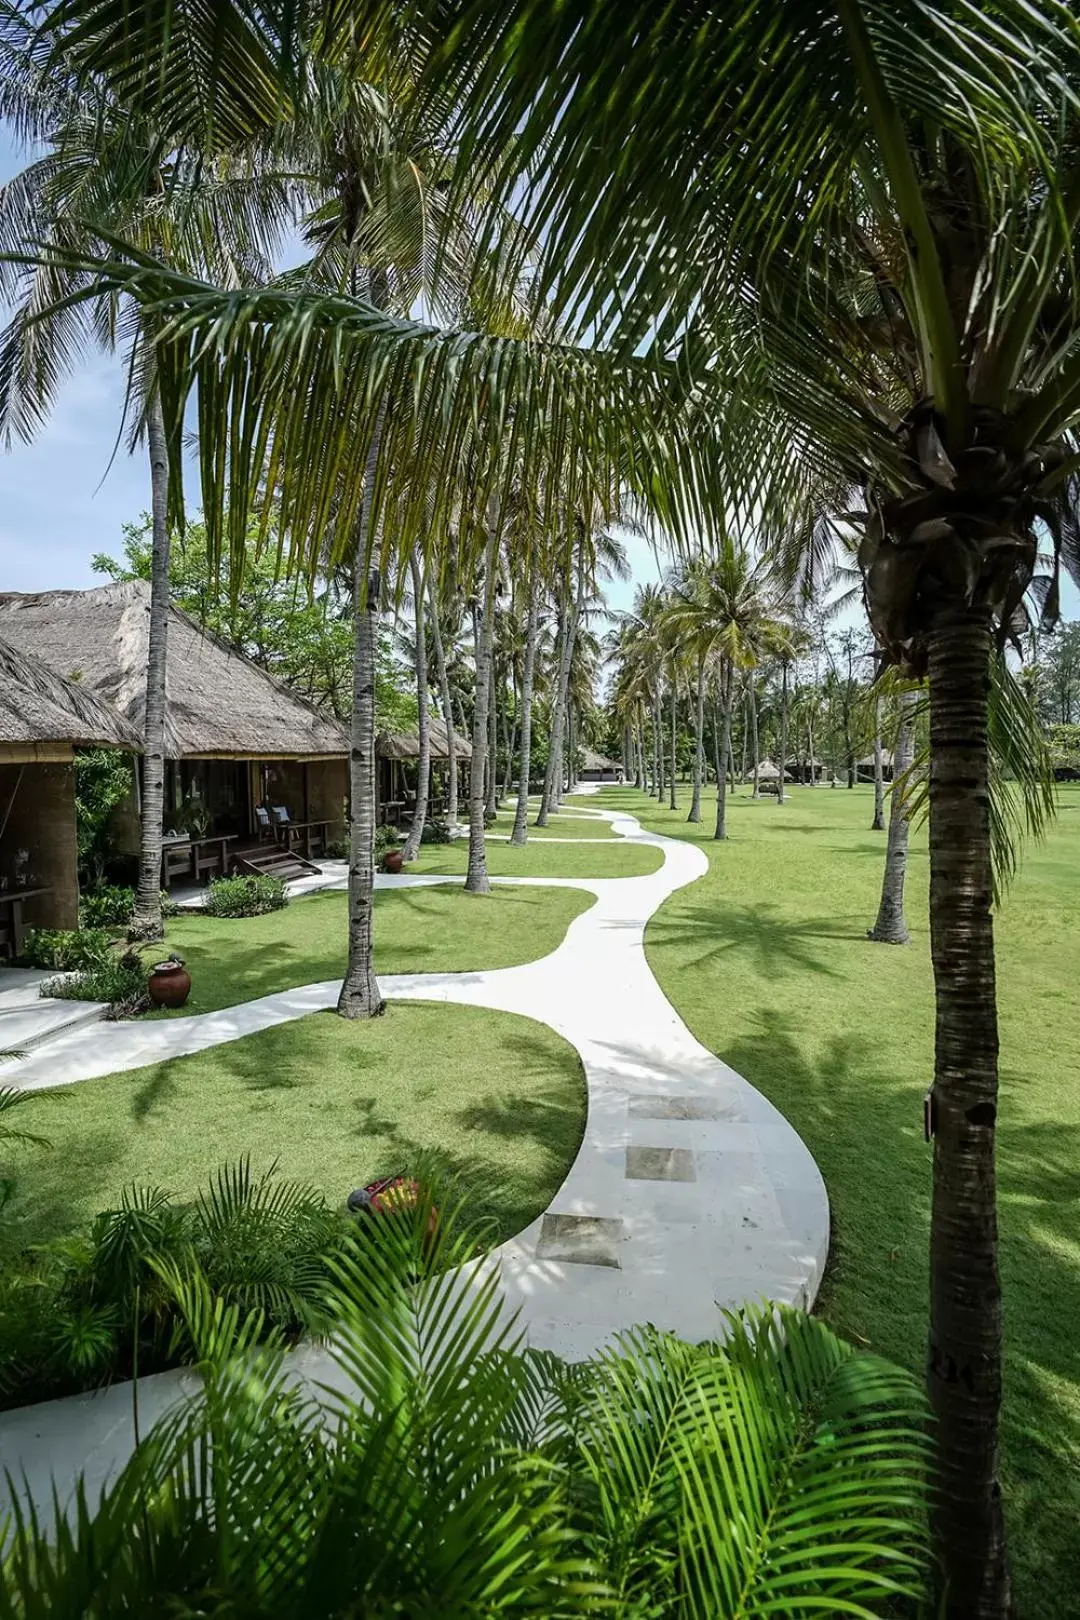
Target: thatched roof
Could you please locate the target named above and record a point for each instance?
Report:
(867, 764)
(766, 772)
(217, 701)
(406, 744)
(39, 706)
(598, 762)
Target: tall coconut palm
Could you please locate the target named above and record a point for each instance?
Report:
(100, 172)
(423, 763)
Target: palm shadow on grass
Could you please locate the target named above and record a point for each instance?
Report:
(864, 1130)
(761, 934)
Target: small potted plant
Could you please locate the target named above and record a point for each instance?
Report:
(169, 984)
(388, 850)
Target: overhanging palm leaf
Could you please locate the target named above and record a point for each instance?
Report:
(446, 1474)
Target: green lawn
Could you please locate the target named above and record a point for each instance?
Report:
(234, 959)
(562, 825)
(599, 859)
(500, 1099)
(766, 958)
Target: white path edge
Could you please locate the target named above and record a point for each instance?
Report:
(753, 1224)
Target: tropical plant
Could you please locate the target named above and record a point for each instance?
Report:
(103, 780)
(444, 1470)
(101, 1305)
(66, 949)
(118, 981)
(246, 894)
(106, 906)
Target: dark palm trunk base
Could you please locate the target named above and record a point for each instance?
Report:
(964, 1363)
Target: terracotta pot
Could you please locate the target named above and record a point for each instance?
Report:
(391, 861)
(169, 984)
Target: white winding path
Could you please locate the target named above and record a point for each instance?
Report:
(690, 1193)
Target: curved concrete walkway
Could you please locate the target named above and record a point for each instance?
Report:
(690, 1193)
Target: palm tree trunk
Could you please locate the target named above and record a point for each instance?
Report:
(810, 745)
(445, 704)
(699, 745)
(360, 996)
(671, 785)
(491, 801)
(878, 823)
(727, 693)
(146, 923)
(754, 737)
(965, 1288)
(423, 764)
(639, 742)
(549, 769)
(521, 815)
(658, 745)
(476, 881)
(782, 761)
(510, 732)
(890, 927)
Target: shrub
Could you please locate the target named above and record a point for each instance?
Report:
(337, 849)
(435, 832)
(169, 906)
(120, 981)
(386, 837)
(108, 906)
(66, 949)
(85, 1310)
(249, 894)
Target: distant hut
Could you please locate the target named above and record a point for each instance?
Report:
(766, 772)
(864, 768)
(806, 769)
(43, 719)
(236, 738)
(598, 768)
(396, 751)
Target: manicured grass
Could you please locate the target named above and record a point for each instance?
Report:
(500, 1099)
(562, 825)
(539, 858)
(234, 959)
(767, 960)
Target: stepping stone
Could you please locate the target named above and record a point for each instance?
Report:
(660, 1164)
(582, 1240)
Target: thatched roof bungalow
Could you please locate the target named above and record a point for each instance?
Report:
(406, 744)
(43, 719)
(598, 768)
(395, 782)
(235, 737)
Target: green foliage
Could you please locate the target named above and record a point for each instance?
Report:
(302, 637)
(782, 1471)
(107, 906)
(92, 1308)
(435, 832)
(249, 894)
(1064, 745)
(386, 837)
(103, 779)
(337, 849)
(10, 1099)
(66, 949)
(118, 980)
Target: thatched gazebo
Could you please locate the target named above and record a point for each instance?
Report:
(235, 737)
(43, 719)
(766, 772)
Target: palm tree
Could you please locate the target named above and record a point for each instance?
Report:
(423, 765)
(890, 927)
(101, 172)
(878, 823)
(898, 304)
